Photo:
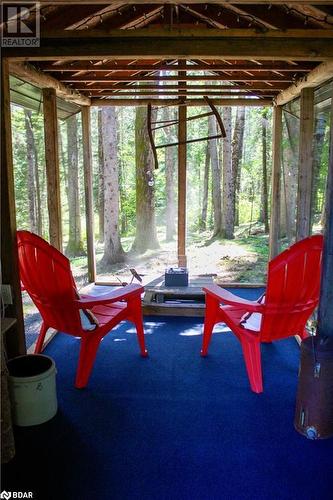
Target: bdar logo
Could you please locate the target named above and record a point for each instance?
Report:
(6, 495)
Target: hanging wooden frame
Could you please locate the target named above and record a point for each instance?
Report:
(168, 123)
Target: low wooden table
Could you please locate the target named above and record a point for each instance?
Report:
(176, 301)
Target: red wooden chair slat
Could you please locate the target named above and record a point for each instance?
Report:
(292, 293)
(46, 275)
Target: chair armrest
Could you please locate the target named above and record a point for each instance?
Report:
(229, 298)
(123, 293)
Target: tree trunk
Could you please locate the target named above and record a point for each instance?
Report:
(289, 178)
(216, 177)
(113, 251)
(319, 136)
(170, 209)
(237, 152)
(75, 245)
(31, 171)
(228, 195)
(203, 219)
(145, 237)
(100, 200)
(264, 183)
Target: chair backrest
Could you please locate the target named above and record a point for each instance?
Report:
(293, 286)
(46, 275)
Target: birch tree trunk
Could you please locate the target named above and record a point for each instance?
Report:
(170, 214)
(216, 177)
(228, 194)
(31, 171)
(75, 245)
(100, 200)
(203, 219)
(237, 153)
(145, 237)
(113, 251)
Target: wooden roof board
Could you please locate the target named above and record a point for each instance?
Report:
(30, 97)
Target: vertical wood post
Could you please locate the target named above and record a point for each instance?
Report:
(15, 343)
(88, 189)
(276, 178)
(182, 149)
(52, 166)
(305, 165)
(325, 314)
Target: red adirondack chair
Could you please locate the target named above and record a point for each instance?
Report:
(291, 296)
(46, 275)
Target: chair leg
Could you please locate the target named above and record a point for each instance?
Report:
(88, 351)
(136, 316)
(41, 337)
(210, 320)
(252, 356)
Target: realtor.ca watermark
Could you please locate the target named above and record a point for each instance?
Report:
(7, 495)
(20, 24)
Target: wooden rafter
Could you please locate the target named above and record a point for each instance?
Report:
(177, 102)
(241, 66)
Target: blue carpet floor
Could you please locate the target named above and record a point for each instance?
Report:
(172, 426)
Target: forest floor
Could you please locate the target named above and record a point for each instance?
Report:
(243, 259)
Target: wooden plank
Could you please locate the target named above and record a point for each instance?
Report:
(88, 189)
(175, 2)
(157, 94)
(305, 164)
(325, 313)
(243, 77)
(211, 66)
(175, 102)
(9, 256)
(189, 310)
(316, 77)
(154, 32)
(182, 153)
(52, 166)
(145, 44)
(276, 181)
(29, 73)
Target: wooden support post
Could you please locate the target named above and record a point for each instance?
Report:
(305, 165)
(15, 342)
(325, 315)
(52, 166)
(88, 189)
(182, 149)
(276, 188)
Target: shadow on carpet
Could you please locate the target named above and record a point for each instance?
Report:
(171, 426)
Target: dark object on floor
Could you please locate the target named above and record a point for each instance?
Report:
(314, 404)
(176, 276)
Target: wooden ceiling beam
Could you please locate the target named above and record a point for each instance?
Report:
(244, 77)
(202, 88)
(302, 45)
(98, 68)
(176, 102)
(30, 74)
(175, 2)
(95, 93)
(319, 75)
